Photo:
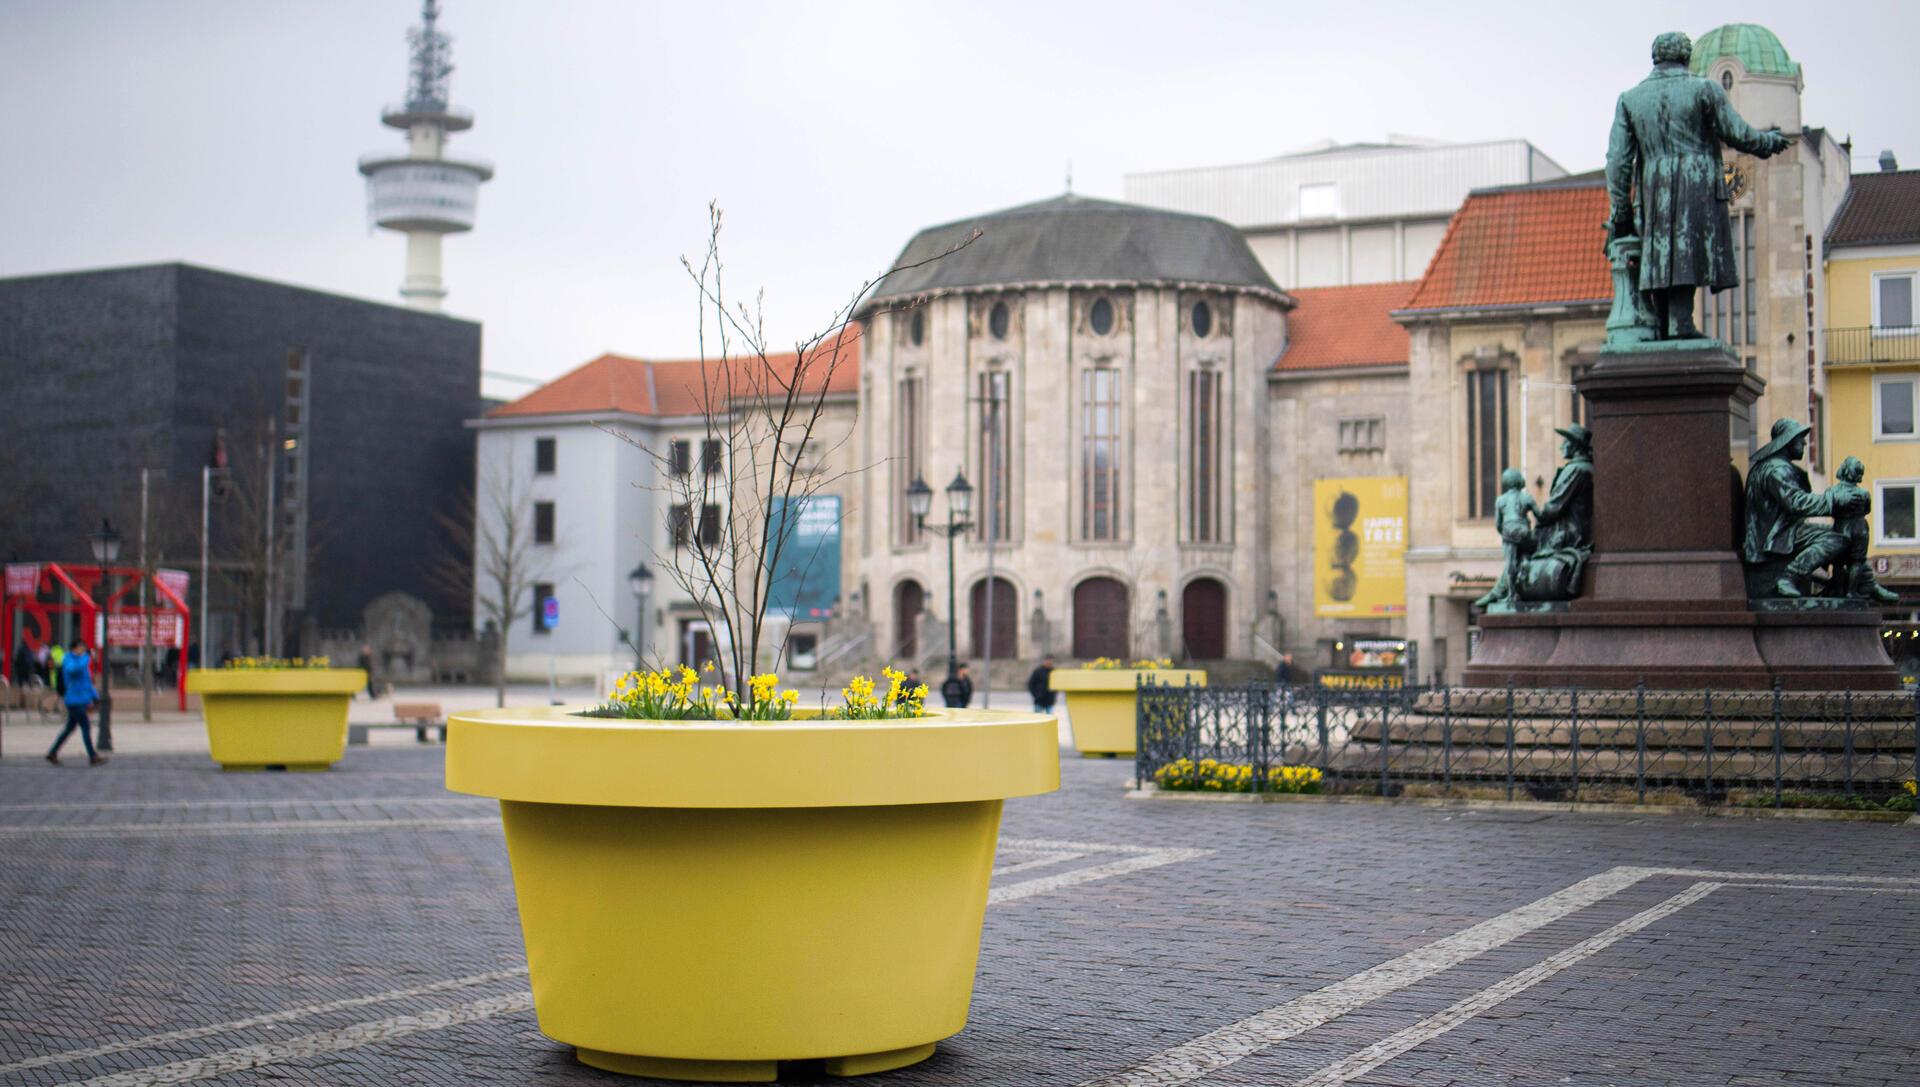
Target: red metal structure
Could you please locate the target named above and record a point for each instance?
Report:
(33, 594)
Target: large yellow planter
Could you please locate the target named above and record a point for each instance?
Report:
(290, 717)
(1100, 704)
(705, 900)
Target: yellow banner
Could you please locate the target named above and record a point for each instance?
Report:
(1360, 547)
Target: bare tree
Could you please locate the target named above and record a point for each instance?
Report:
(762, 412)
(490, 552)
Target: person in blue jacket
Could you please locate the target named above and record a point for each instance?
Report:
(77, 676)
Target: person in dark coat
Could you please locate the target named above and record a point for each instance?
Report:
(76, 671)
(1040, 686)
(1665, 145)
(1284, 673)
(958, 689)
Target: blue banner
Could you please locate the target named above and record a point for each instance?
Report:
(806, 573)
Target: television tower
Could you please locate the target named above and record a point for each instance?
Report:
(423, 193)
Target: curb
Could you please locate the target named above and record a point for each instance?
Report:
(1539, 806)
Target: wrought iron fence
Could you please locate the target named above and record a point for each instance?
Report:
(1746, 747)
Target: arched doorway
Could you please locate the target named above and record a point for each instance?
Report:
(1101, 626)
(1006, 619)
(909, 600)
(1203, 619)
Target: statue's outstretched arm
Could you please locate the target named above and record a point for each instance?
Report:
(1735, 132)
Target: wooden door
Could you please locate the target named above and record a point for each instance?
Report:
(1203, 619)
(1006, 619)
(1101, 623)
(909, 600)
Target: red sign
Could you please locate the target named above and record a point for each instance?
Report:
(22, 577)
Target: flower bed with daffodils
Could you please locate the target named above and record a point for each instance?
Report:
(682, 695)
(1212, 776)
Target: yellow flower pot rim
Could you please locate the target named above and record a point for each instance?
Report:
(276, 681)
(549, 754)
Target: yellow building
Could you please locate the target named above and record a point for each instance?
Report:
(1873, 362)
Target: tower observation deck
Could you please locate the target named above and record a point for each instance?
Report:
(423, 193)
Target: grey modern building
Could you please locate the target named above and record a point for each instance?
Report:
(341, 421)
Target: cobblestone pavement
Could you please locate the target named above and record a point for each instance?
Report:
(165, 923)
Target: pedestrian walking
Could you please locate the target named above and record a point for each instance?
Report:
(1040, 686)
(366, 665)
(1284, 673)
(958, 689)
(79, 695)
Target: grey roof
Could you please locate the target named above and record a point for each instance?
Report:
(1072, 240)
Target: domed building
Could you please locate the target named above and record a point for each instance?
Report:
(1096, 373)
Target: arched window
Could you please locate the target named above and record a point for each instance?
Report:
(998, 320)
(1203, 619)
(909, 600)
(1005, 605)
(1102, 620)
(1100, 447)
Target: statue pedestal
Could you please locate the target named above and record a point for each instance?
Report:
(1665, 599)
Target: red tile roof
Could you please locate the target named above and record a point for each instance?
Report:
(1880, 209)
(1335, 327)
(619, 385)
(1520, 246)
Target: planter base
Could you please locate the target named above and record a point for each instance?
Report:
(293, 767)
(860, 1064)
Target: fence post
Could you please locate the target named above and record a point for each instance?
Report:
(1385, 738)
(1640, 738)
(1779, 747)
(1846, 710)
(1573, 710)
(1509, 741)
(1260, 706)
(1709, 744)
(1320, 715)
(1916, 737)
(1446, 738)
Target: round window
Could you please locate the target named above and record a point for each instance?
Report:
(997, 320)
(1202, 320)
(917, 328)
(1100, 316)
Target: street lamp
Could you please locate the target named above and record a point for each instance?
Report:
(106, 550)
(959, 505)
(640, 580)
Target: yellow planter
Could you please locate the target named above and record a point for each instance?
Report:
(291, 717)
(1100, 704)
(704, 900)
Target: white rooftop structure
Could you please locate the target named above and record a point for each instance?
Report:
(1334, 214)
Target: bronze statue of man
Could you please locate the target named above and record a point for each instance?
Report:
(1667, 133)
(1780, 498)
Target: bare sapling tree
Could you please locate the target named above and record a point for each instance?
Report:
(769, 449)
(490, 552)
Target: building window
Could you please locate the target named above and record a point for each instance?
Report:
(1894, 513)
(917, 328)
(543, 456)
(1202, 320)
(543, 522)
(1204, 516)
(1320, 201)
(1730, 315)
(995, 453)
(999, 320)
(1100, 453)
(1486, 439)
(1100, 316)
(680, 456)
(680, 525)
(710, 455)
(542, 592)
(803, 652)
(1893, 407)
(1367, 434)
(710, 525)
(1893, 301)
(906, 456)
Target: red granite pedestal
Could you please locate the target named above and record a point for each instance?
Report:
(1665, 595)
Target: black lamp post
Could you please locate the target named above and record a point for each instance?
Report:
(959, 506)
(640, 579)
(106, 550)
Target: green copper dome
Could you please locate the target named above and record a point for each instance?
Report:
(1754, 46)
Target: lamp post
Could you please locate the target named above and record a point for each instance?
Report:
(106, 549)
(959, 506)
(640, 580)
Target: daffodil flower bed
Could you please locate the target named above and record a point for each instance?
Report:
(1209, 775)
(265, 664)
(1109, 663)
(681, 695)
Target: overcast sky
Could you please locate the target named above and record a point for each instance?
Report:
(226, 132)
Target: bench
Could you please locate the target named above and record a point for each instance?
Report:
(418, 716)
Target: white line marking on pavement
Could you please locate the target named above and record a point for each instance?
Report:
(289, 826)
(1704, 873)
(1013, 892)
(1856, 888)
(311, 1045)
(260, 1020)
(1037, 858)
(1379, 1053)
(1217, 1049)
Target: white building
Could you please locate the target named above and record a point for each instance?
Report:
(1337, 214)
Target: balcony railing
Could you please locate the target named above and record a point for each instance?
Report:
(1884, 344)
